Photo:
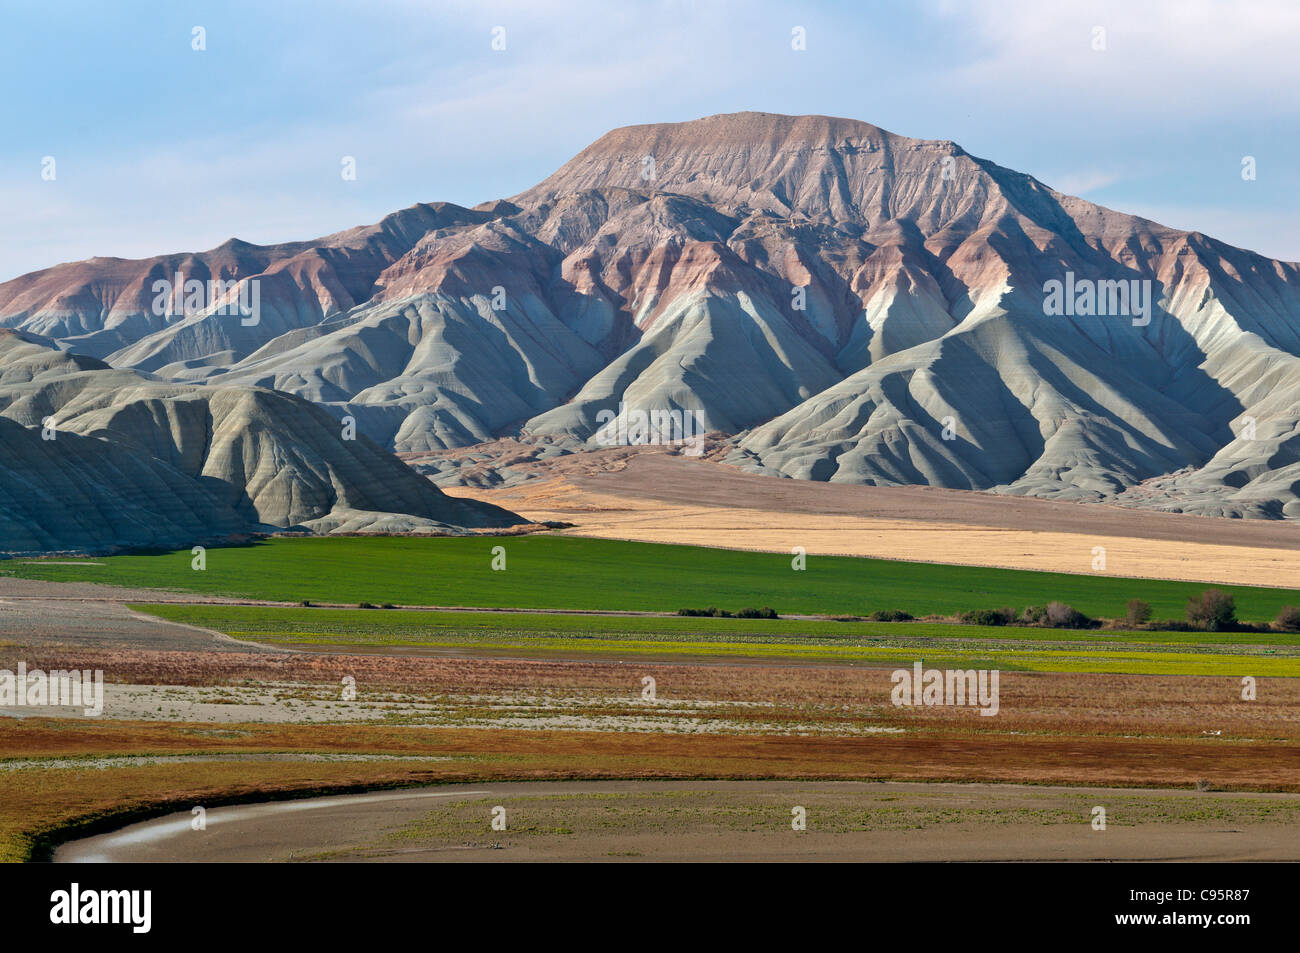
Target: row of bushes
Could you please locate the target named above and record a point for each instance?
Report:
(746, 613)
(1212, 611)
(1056, 615)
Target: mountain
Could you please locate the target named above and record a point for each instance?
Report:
(848, 304)
(94, 458)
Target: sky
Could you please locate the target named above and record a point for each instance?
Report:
(1147, 106)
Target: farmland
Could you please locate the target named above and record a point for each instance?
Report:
(561, 572)
(499, 722)
(551, 689)
(1012, 648)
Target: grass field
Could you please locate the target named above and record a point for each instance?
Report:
(1011, 648)
(558, 572)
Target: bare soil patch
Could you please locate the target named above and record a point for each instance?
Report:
(657, 497)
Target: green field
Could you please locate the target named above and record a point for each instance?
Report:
(561, 572)
(1010, 648)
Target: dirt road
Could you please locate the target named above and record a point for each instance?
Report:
(721, 821)
(34, 613)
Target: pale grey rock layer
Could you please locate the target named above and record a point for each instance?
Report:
(96, 458)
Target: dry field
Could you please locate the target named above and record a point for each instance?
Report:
(209, 728)
(833, 699)
(658, 498)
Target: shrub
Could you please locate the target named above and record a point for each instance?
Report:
(1062, 616)
(1137, 612)
(366, 605)
(988, 616)
(1288, 620)
(751, 613)
(1034, 615)
(890, 615)
(1213, 610)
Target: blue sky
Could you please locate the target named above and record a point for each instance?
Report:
(160, 148)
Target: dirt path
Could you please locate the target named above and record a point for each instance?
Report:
(721, 821)
(35, 613)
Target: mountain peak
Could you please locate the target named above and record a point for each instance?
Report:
(823, 289)
(752, 128)
(825, 167)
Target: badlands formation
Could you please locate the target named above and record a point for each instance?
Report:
(93, 458)
(831, 301)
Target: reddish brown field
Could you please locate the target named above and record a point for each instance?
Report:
(709, 722)
(1035, 703)
(34, 803)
